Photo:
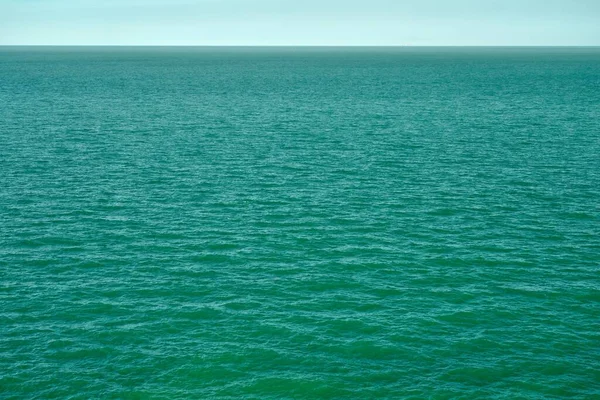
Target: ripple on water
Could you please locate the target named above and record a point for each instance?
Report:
(361, 224)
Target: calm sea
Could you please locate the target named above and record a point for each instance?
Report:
(270, 223)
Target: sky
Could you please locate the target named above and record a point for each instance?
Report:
(301, 22)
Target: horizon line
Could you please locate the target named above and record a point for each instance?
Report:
(292, 45)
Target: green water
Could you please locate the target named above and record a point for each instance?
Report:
(260, 223)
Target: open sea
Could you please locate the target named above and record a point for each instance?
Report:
(299, 223)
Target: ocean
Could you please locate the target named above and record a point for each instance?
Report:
(299, 223)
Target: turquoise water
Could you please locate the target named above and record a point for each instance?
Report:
(268, 223)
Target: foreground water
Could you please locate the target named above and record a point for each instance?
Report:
(299, 223)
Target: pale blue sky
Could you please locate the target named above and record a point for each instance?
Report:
(300, 22)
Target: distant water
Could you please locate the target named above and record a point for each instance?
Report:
(299, 223)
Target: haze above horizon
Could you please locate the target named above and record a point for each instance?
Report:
(309, 23)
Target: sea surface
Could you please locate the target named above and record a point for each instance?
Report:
(299, 223)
